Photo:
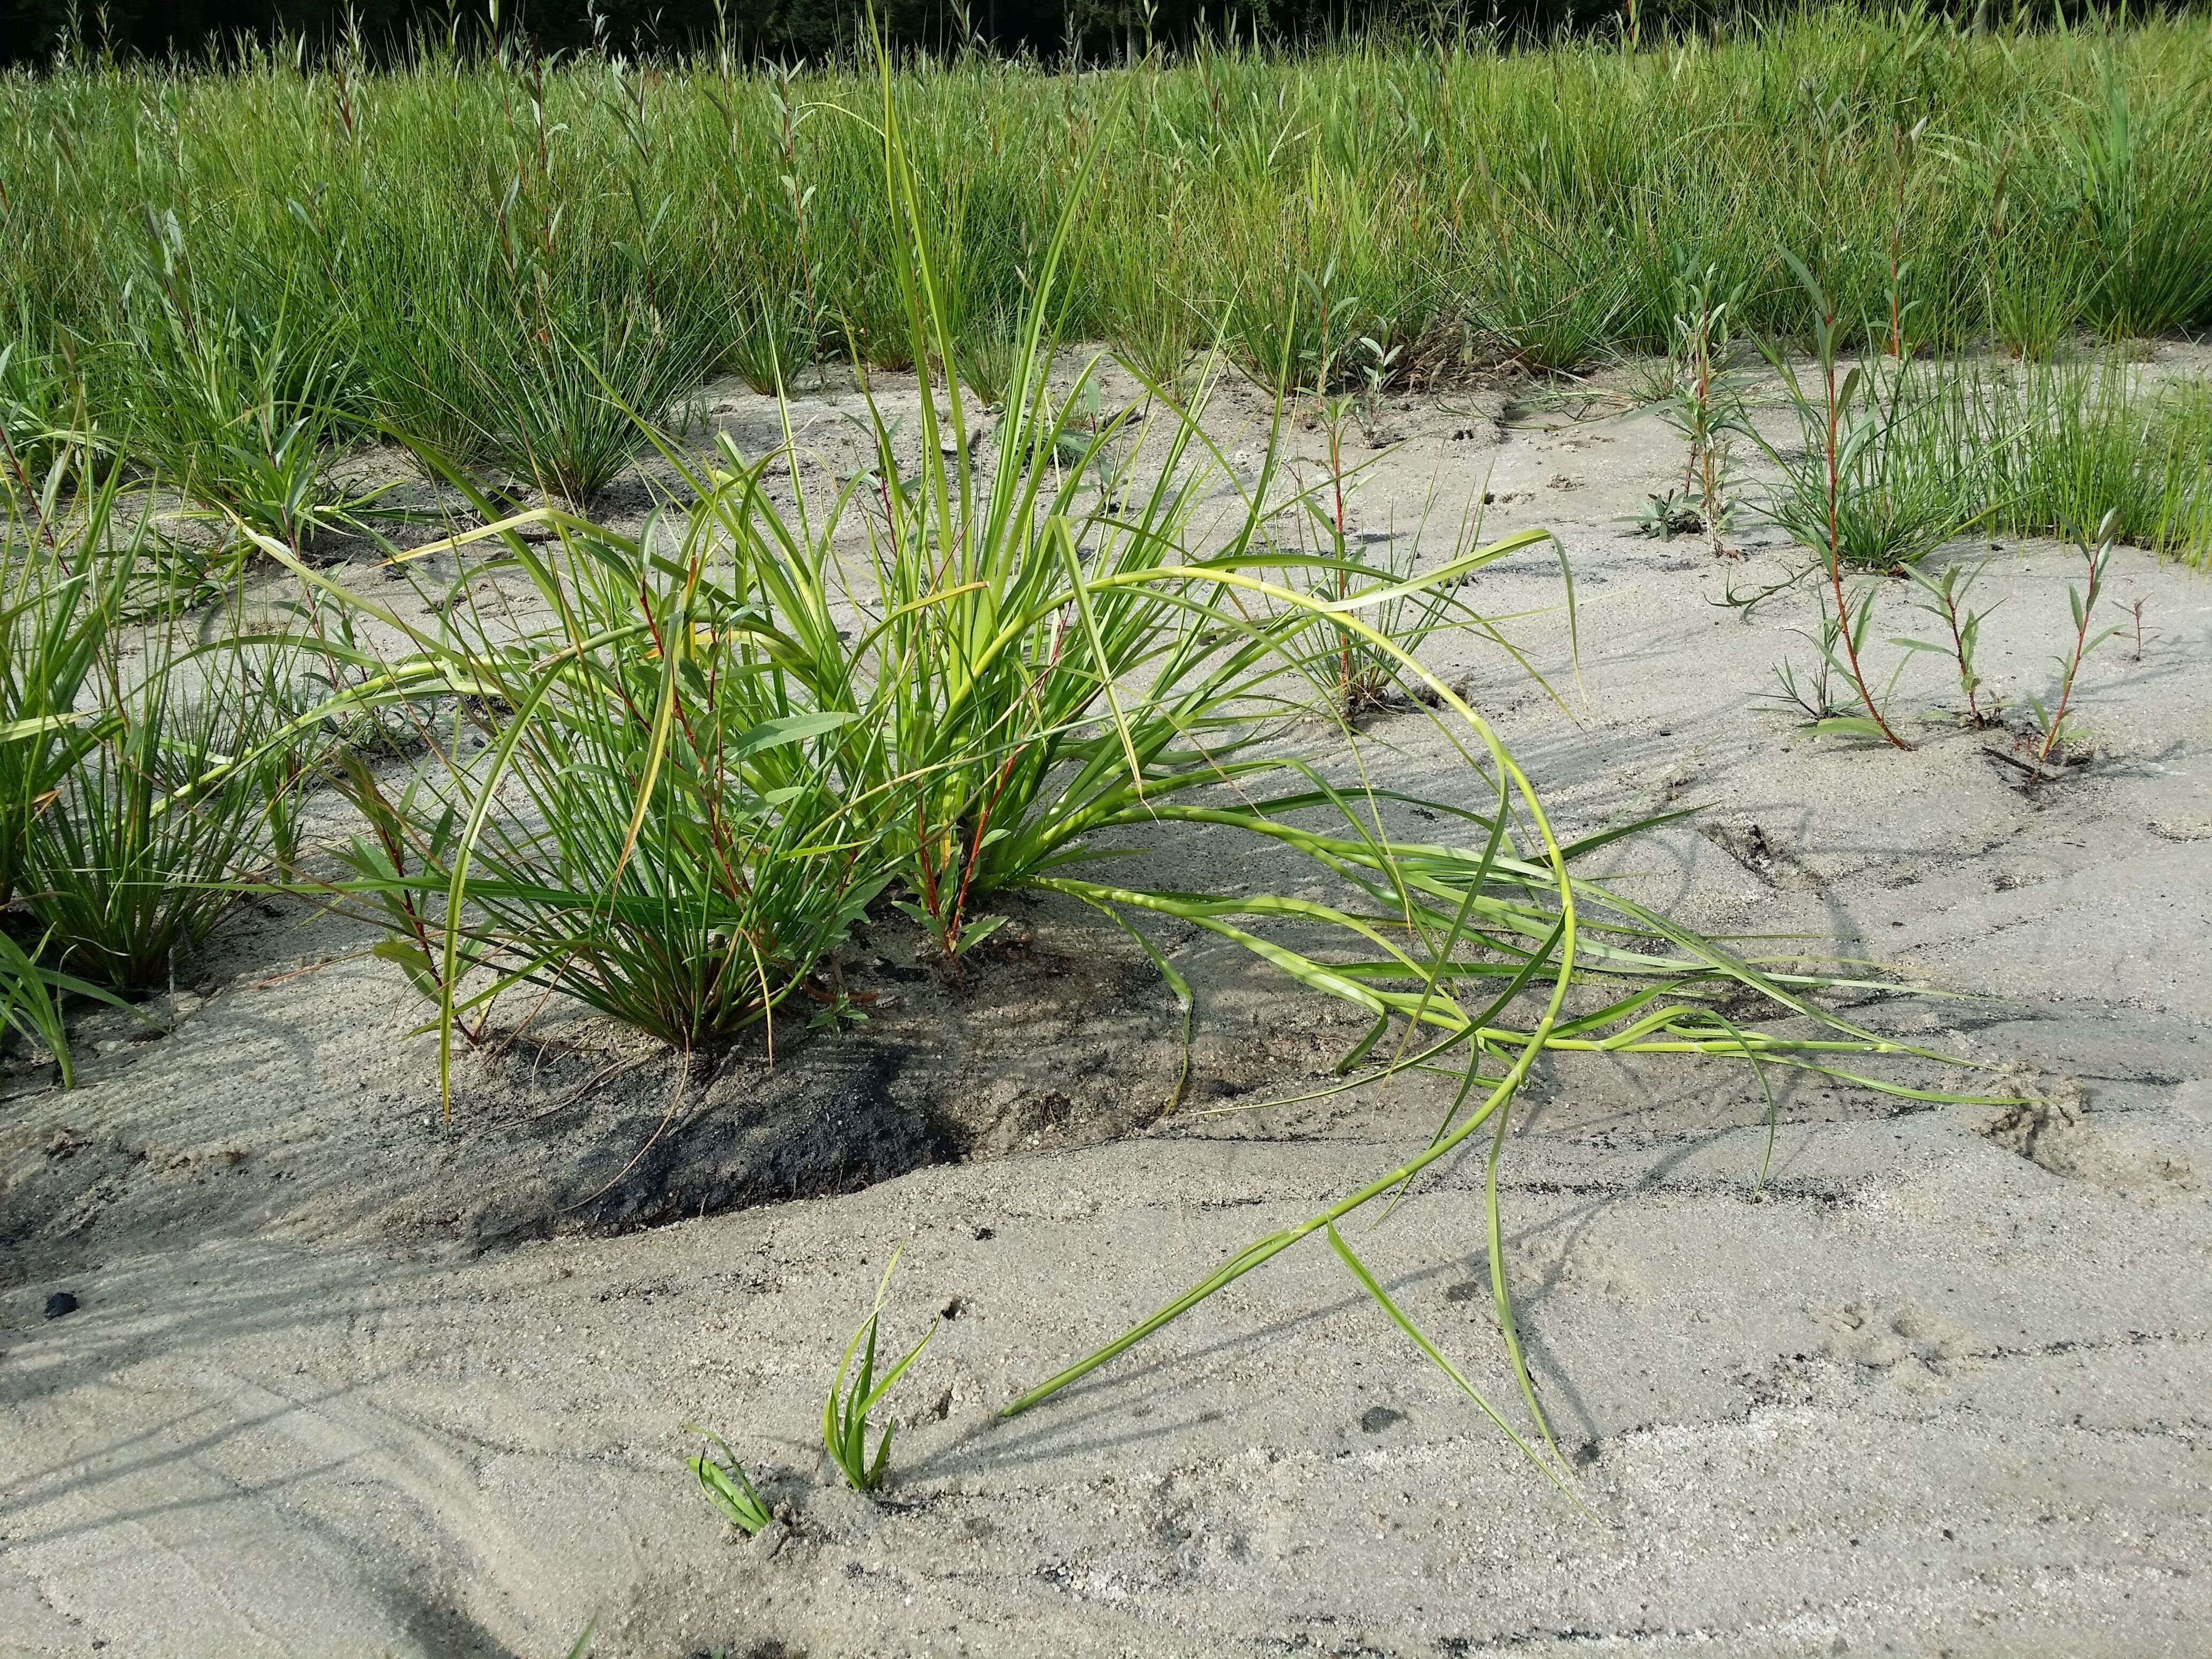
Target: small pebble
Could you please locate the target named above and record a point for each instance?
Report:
(60, 1302)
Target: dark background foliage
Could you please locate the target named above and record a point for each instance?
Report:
(31, 30)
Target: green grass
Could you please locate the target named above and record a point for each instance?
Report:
(2068, 443)
(728, 1486)
(1926, 448)
(1891, 462)
(845, 1409)
(140, 846)
(621, 806)
(126, 818)
(241, 260)
(666, 769)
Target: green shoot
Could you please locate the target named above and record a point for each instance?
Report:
(2052, 721)
(845, 1411)
(1946, 600)
(728, 1486)
(31, 1001)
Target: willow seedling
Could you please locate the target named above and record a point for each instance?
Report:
(1947, 601)
(1836, 445)
(2136, 614)
(1705, 404)
(2084, 606)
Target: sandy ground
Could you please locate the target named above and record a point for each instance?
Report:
(344, 1378)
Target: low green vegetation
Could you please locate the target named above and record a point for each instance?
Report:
(846, 1407)
(662, 771)
(235, 263)
(728, 1487)
(1896, 457)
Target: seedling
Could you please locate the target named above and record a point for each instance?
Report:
(1706, 402)
(1842, 645)
(1668, 516)
(2135, 612)
(407, 852)
(838, 1006)
(1814, 699)
(728, 1486)
(1375, 371)
(1947, 600)
(31, 1001)
(2052, 722)
(845, 1412)
(1813, 504)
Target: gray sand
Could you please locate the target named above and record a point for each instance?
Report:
(347, 1381)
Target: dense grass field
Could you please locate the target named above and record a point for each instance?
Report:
(458, 248)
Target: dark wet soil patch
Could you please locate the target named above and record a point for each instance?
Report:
(1058, 1033)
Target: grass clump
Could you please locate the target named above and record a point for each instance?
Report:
(2071, 441)
(142, 846)
(65, 593)
(625, 806)
(237, 405)
(128, 813)
(1885, 470)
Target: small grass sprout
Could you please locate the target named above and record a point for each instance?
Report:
(845, 1409)
(31, 1003)
(725, 1485)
